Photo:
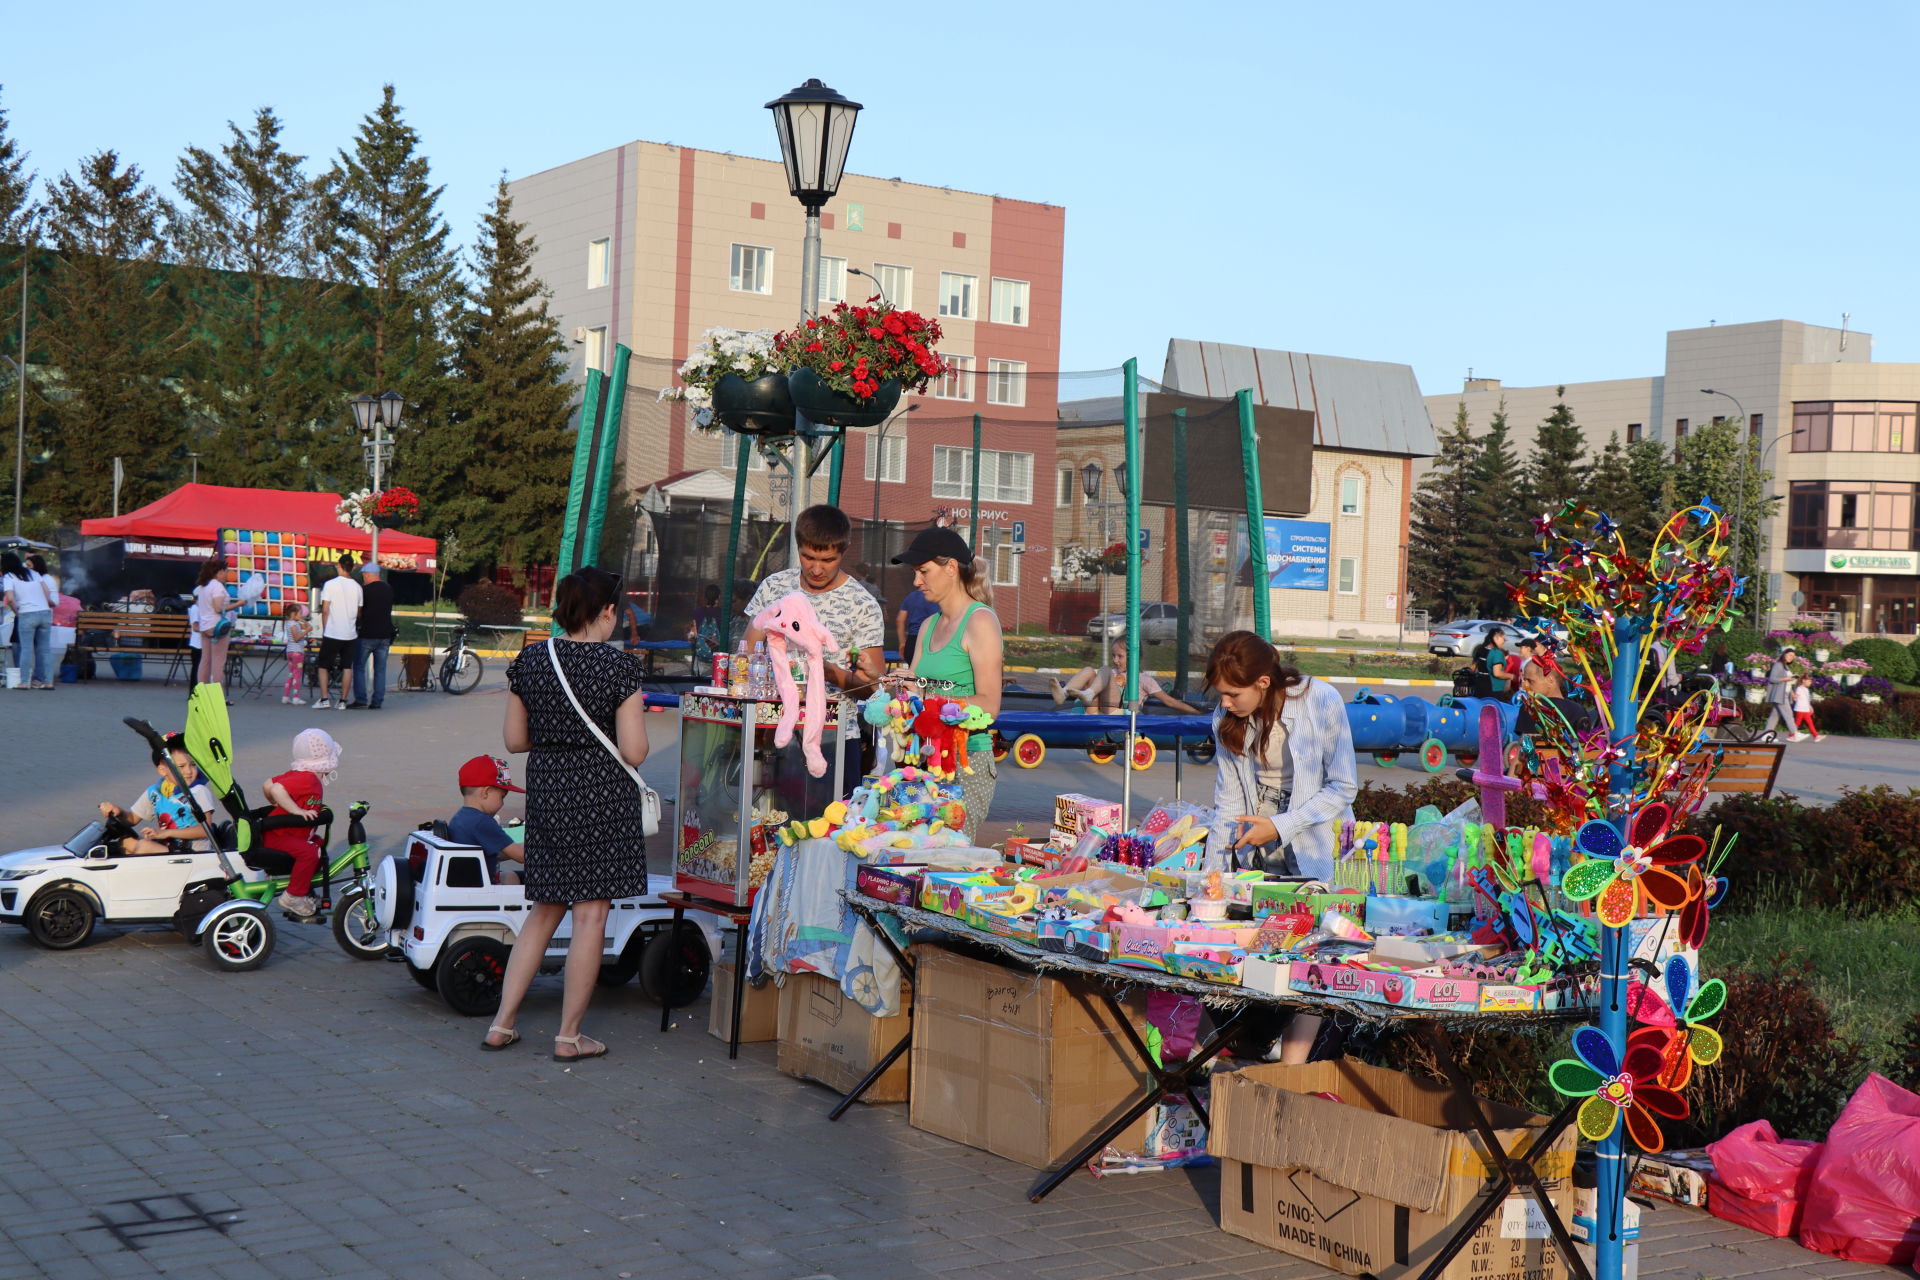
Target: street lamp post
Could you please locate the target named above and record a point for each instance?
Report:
(1090, 477)
(815, 128)
(377, 414)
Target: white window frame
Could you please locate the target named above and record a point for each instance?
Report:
(1011, 305)
(895, 282)
(594, 350)
(1006, 477)
(1003, 566)
(968, 300)
(760, 280)
(1359, 494)
(891, 454)
(957, 382)
(1348, 572)
(832, 284)
(1007, 382)
(1069, 482)
(600, 262)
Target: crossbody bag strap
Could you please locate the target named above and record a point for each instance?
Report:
(553, 656)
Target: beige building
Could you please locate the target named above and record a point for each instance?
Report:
(1836, 430)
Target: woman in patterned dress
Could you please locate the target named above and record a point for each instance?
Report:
(584, 843)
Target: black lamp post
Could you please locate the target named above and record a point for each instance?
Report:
(377, 414)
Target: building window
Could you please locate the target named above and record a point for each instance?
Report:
(596, 349)
(1009, 302)
(890, 451)
(1007, 382)
(1679, 437)
(1853, 426)
(1004, 477)
(833, 283)
(1069, 481)
(1349, 584)
(599, 263)
(957, 382)
(1002, 564)
(1349, 495)
(956, 295)
(896, 284)
(751, 270)
(1850, 515)
(1633, 433)
(1755, 423)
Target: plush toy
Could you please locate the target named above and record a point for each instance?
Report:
(790, 620)
(877, 711)
(935, 734)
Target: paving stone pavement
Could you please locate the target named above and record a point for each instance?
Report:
(325, 1117)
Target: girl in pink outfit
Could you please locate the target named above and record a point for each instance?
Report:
(296, 655)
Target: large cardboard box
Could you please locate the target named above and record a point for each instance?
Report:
(759, 1008)
(1025, 1066)
(827, 1036)
(1377, 1181)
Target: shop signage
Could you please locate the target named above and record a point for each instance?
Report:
(1841, 561)
(1297, 553)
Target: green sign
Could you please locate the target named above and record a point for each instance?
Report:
(856, 217)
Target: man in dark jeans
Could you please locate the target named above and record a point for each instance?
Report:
(376, 638)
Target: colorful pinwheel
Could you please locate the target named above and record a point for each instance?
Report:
(1614, 1086)
(1673, 1020)
(1624, 872)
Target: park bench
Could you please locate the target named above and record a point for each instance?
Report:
(1746, 768)
(143, 635)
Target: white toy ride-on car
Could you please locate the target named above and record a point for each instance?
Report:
(455, 927)
(61, 892)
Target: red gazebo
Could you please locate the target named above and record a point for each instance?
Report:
(186, 523)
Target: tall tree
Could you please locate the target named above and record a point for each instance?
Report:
(390, 243)
(1612, 489)
(16, 188)
(1557, 468)
(1711, 467)
(264, 380)
(1652, 470)
(115, 340)
(1497, 535)
(496, 470)
(16, 222)
(1441, 509)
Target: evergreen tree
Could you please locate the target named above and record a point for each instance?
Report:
(497, 470)
(390, 243)
(16, 190)
(114, 341)
(1556, 470)
(1441, 507)
(1612, 489)
(1652, 471)
(1498, 534)
(264, 379)
(16, 222)
(1711, 467)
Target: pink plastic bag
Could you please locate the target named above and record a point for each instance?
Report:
(1760, 1180)
(1864, 1204)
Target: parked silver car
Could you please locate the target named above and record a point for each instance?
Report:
(1159, 623)
(1460, 638)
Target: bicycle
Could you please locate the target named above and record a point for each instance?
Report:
(463, 667)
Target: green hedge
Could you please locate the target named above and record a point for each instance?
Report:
(1891, 659)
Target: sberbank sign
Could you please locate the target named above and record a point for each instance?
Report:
(1871, 562)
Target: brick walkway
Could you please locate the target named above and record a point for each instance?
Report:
(327, 1118)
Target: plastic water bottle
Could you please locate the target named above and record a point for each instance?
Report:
(760, 673)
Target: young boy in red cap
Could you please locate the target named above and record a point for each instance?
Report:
(484, 784)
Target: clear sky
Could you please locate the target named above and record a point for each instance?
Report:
(1535, 191)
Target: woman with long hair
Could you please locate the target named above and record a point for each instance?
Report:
(1285, 771)
(210, 595)
(30, 598)
(586, 842)
(959, 653)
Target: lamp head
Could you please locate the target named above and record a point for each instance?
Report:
(815, 128)
(365, 410)
(1090, 480)
(392, 406)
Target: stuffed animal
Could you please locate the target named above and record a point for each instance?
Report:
(790, 620)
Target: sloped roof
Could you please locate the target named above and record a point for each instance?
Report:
(1368, 405)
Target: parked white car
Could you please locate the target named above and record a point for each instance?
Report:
(455, 927)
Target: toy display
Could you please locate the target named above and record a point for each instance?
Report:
(790, 620)
(279, 560)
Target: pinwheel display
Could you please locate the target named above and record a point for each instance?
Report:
(1673, 1020)
(1614, 1086)
(1626, 872)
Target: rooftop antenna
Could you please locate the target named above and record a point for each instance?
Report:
(1845, 316)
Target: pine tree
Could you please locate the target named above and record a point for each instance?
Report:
(497, 470)
(1556, 470)
(114, 340)
(16, 190)
(390, 243)
(1652, 470)
(16, 224)
(1497, 535)
(1611, 490)
(1441, 504)
(264, 379)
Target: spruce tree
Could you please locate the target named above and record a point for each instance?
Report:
(16, 224)
(1498, 535)
(496, 470)
(16, 191)
(1652, 470)
(390, 243)
(1441, 505)
(1611, 489)
(1557, 469)
(264, 380)
(115, 339)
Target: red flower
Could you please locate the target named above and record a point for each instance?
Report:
(816, 346)
(836, 365)
(894, 324)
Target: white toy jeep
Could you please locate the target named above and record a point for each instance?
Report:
(454, 927)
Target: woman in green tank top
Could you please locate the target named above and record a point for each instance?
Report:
(959, 652)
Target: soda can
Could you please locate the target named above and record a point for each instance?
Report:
(722, 670)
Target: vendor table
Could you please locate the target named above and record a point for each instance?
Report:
(685, 902)
(1229, 1005)
(250, 666)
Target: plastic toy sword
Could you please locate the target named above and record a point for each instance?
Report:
(1493, 783)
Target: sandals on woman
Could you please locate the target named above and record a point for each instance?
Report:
(512, 1039)
(578, 1052)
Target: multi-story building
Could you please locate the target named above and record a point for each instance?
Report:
(1836, 430)
(649, 245)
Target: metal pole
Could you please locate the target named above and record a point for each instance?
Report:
(379, 446)
(973, 539)
(20, 415)
(742, 455)
(605, 450)
(802, 464)
(1609, 1249)
(839, 447)
(577, 485)
(1183, 568)
(1130, 417)
(1256, 512)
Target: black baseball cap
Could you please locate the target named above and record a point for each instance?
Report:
(935, 544)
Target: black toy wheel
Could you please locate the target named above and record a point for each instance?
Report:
(1201, 751)
(461, 672)
(239, 940)
(470, 974)
(356, 929)
(674, 965)
(621, 970)
(60, 919)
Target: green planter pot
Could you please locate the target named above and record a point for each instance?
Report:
(822, 405)
(390, 522)
(762, 407)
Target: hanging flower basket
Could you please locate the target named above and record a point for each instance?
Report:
(1820, 655)
(760, 406)
(824, 406)
(746, 357)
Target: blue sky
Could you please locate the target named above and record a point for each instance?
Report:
(1535, 191)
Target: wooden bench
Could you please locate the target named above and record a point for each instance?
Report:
(144, 635)
(1746, 768)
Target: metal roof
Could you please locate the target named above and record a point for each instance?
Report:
(1367, 405)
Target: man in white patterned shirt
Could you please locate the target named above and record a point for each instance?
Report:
(847, 610)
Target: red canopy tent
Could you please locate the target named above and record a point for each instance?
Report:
(187, 521)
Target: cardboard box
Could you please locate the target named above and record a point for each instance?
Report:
(1376, 1182)
(1680, 1176)
(1414, 990)
(759, 1008)
(825, 1036)
(899, 885)
(1073, 813)
(1025, 1066)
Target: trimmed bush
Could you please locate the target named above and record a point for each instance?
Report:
(1859, 855)
(1850, 715)
(488, 604)
(1890, 658)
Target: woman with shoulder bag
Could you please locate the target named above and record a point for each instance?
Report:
(576, 705)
